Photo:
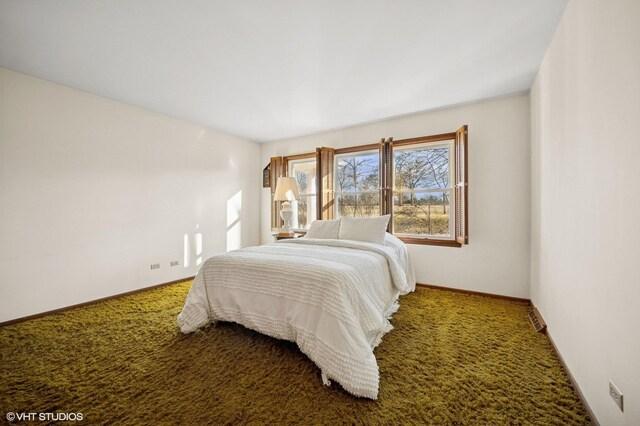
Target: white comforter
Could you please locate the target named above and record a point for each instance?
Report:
(334, 298)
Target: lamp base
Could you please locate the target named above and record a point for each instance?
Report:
(286, 214)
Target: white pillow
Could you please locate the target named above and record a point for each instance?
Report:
(324, 229)
(392, 241)
(368, 229)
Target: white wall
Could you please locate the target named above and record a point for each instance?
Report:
(93, 191)
(585, 273)
(497, 258)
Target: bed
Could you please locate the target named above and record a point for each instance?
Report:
(333, 297)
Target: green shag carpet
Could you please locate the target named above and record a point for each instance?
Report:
(451, 359)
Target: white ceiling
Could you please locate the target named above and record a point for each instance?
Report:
(268, 70)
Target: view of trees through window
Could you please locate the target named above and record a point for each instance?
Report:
(421, 190)
(424, 182)
(304, 209)
(358, 184)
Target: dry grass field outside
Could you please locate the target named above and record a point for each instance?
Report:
(419, 219)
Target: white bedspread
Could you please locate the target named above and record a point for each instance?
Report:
(334, 298)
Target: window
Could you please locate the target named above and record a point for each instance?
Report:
(357, 182)
(304, 210)
(421, 182)
(423, 190)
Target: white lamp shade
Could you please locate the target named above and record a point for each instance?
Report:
(286, 189)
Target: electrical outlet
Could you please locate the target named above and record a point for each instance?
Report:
(175, 262)
(155, 266)
(616, 395)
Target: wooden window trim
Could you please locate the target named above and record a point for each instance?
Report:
(325, 181)
(461, 149)
(386, 180)
(300, 156)
(429, 241)
(359, 148)
(276, 170)
(425, 139)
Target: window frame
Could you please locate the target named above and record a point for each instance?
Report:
(449, 189)
(443, 137)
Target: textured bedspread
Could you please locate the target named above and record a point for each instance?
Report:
(334, 298)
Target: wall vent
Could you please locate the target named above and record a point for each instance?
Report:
(536, 320)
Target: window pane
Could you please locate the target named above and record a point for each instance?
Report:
(421, 168)
(359, 205)
(305, 174)
(358, 172)
(424, 214)
(304, 212)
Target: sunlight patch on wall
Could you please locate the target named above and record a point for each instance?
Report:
(234, 226)
(186, 251)
(198, 242)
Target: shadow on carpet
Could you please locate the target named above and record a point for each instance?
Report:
(451, 359)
